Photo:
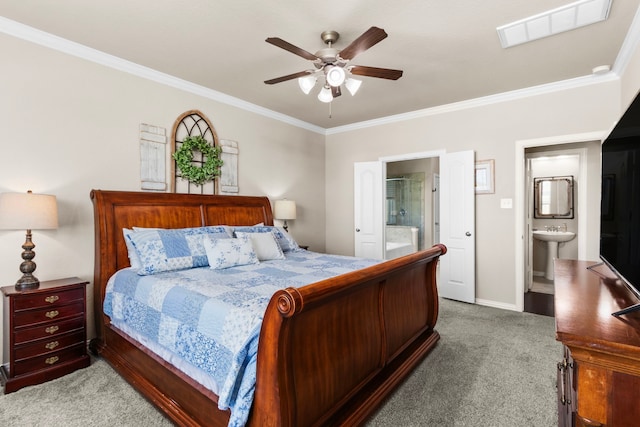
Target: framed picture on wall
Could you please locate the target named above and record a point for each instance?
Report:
(485, 177)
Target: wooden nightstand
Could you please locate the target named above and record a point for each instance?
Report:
(44, 332)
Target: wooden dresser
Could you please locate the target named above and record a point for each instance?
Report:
(599, 378)
(44, 332)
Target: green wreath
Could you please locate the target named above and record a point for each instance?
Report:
(184, 160)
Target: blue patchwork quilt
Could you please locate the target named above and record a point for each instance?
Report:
(210, 319)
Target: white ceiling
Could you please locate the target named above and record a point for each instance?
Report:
(449, 50)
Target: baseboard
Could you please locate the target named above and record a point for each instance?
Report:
(495, 304)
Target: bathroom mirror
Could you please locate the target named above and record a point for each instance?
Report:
(553, 197)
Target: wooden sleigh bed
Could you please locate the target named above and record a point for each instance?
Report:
(329, 353)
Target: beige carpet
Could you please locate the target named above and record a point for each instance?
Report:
(491, 367)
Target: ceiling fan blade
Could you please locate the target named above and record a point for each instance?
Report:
(335, 91)
(369, 38)
(276, 41)
(287, 77)
(381, 73)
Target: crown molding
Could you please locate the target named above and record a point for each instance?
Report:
(481, 102)
(51, 41)
(629, 46)
(69, 47)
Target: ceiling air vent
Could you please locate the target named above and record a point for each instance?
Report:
(565, 18)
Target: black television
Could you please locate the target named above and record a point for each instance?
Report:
(620, 202)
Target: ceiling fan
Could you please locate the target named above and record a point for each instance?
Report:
(334, 64)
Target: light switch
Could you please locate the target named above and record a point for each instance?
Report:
(506, 203)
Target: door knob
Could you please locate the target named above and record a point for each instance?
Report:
(467, 234)
(357, 230)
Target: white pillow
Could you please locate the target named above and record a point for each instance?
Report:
(225, 253)
(286, 242)
(264, 244)
(134, 259)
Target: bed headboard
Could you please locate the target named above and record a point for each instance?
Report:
(115, 210)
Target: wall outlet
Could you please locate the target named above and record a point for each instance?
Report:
(506, 203)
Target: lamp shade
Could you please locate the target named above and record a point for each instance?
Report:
(285, 209)
(307, 83)
(28, 211)
(352, 85)
(325, 94)
(335, 76)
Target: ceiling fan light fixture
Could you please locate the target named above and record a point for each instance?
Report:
(335, 75)
(307, 83)
(352, 85)
(325, 94)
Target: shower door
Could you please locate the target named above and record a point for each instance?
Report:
(405, 202)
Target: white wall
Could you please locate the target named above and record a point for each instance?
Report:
(69, 125)
(490, 130)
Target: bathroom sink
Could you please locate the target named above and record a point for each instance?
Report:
(553, 236)
(553, 239)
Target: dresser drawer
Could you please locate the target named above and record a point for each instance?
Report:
(48, 345)
(48, 360)
(47, 299)
(49, 330)
(49, 314)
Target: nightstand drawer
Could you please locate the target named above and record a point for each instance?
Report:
(48, 330)
(44, 332)
(49, 345)
(33, 317)
(48, 360)
(31, 301)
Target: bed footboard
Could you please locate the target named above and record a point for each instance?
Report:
(330, 352)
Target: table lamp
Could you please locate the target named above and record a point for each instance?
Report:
(284, 210)
(28, 211)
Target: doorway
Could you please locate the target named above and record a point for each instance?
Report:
(409, 205)
(457, 216)
(588, 202)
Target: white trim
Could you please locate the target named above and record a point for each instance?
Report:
(495, 304)
(520, 199)
(51, 41)
(480, 102)
(412, 156)
(629, 45)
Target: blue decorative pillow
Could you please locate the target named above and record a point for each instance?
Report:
(286, 242)
(213, 229)
(225, 253)
(162, 250)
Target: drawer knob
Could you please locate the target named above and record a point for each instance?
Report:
(51, 299)
(52, 345)
(51, 314)
(52, 329)
(51, 360)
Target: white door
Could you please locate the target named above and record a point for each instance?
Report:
(436, 208)
(457, 226)
(368, 210)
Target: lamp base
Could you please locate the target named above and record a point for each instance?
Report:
(27, 281)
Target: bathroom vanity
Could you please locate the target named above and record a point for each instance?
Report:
(599, 376)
